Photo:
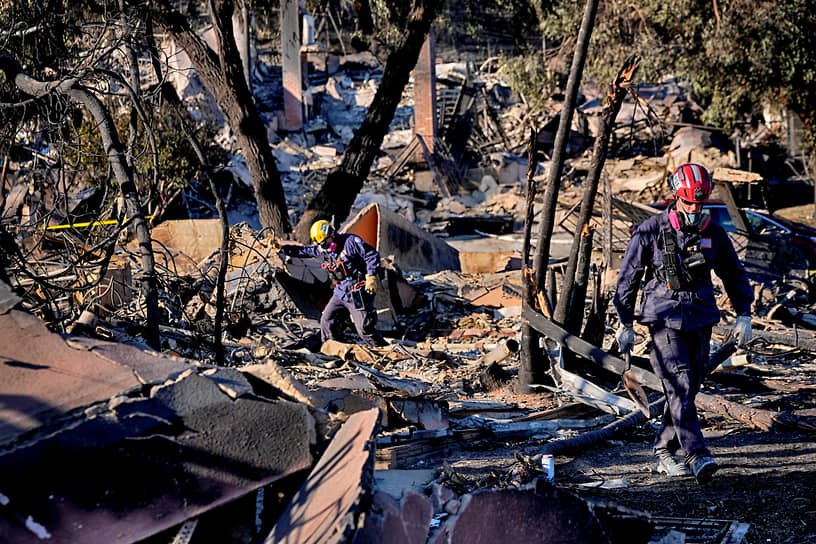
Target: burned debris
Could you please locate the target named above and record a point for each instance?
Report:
(446, 433)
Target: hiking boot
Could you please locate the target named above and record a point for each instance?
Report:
(703, 468)
(669, 466)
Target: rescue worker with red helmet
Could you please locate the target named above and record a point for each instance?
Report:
(354, 266)
(670, 257)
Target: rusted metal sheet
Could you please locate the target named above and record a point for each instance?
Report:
(128, 474)
(42, 378)
(115, 461)
(401, 242)
(323, 508)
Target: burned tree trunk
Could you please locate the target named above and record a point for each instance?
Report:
(764, 420)
(116, 157)
(575, 313)
(532, 355)
(530, 300)
(595, 326)
(335, 198)
(223, 75)
(614, 100)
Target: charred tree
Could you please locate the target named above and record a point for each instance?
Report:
(614, 99)
(533, 356)
(335, 198)
(222, 72)
(575, 315)
(531, 298)
(170, 95)
(116, 157)
(595, 326)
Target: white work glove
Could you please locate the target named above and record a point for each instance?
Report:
(742, 330)
(625, 337)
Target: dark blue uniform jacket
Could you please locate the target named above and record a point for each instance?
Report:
(358, 258)
(693, 306)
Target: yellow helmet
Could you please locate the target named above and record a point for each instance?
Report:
(321, 229)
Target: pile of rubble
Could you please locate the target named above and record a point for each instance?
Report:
(104, 440)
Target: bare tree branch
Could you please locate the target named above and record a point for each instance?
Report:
(113, 149)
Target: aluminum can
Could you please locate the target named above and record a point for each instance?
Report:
(548, 466)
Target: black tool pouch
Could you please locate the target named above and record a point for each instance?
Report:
(693, 265)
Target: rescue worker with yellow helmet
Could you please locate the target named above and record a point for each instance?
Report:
(354, 266)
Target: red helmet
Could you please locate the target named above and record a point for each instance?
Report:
(691, 182)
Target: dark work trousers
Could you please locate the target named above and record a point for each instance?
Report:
(678, 358)
(365, 320)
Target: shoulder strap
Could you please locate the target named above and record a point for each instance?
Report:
(670, 257)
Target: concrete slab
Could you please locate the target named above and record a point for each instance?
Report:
(325, 507)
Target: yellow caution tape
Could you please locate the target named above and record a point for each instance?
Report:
(87, 224)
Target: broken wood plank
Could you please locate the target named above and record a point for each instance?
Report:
(741, 223)
(794, 337)
(732, 175)
(759, 419)
(402, 158)
(438, 174)
(577, 410)
(525, 429)
(407, 454)
(460, 407)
